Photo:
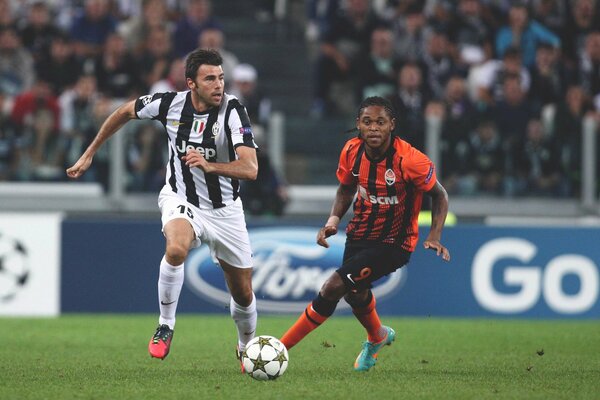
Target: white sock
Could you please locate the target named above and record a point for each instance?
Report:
(245, 321)
(170, 281)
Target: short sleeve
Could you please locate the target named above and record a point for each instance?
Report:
(148, 106)
(344, 170)
(239, 126)
(419, 170)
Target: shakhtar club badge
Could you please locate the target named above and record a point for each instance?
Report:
(390, 177)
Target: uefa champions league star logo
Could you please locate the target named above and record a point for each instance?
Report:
(14, 268)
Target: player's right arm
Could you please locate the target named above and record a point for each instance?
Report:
(113, 123)
(341, 203)
(344, 194)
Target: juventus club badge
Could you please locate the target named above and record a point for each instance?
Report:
(216, 128)
(390, 177)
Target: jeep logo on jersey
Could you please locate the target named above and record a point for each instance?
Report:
(207, 152)
(289, 269)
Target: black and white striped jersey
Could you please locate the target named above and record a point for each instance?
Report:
(214, 133)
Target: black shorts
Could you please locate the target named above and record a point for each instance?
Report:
(365, 263)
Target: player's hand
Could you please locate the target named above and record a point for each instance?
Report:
(438, 248)
(324, 233)
(79, 167)
(193, 158)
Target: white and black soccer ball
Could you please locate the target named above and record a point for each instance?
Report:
(14, 269)
(265, 358)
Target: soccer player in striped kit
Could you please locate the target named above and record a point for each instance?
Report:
(211, 147)
(390, 177)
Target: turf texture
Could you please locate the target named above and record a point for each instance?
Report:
(105, 357)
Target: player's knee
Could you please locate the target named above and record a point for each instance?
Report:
(176, 253)
(358, 299)
(333, 289)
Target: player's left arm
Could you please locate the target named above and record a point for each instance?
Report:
(245, 167)
(439, 210)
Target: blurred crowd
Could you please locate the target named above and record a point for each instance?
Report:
(511, 82)
(65, 65)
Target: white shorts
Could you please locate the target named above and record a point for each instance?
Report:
(222, 229)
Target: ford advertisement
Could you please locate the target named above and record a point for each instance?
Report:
(515, 272)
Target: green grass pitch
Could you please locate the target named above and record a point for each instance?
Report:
(105, 357)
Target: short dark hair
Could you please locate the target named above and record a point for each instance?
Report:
(377, 101)
(512, 52)
(200, 57)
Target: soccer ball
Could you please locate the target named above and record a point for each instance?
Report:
(14, 269)
(265, 358)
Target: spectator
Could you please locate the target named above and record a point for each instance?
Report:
(349, 36)
(439, 14)
(157, 57)
(376, 71)
(410, 33)
(145, 159)
(212, 38)
(267, 195)
(117, 70)
(175, 81)
(8, 145)
(568, 127)
(485, 158)
(410, 102)
(91, 28)
(548, 77)
(44, 158)
(319, 15)
(60, 67)
(488, 78)
(470, 35)
(28, 103)
(588, 73)
(7, 17)
(42, 148)
(438, 64)
(194, 20)
(246, 89)
(77, 122)
(537, 164)
(513, 112)
(16, 63)
(460, 119)
(550, 13)
(524, 34)
(585, 18)
(136, 28)
(38, 30)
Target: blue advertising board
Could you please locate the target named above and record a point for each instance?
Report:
(112, 266)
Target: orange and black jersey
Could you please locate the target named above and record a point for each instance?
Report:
(390, 192)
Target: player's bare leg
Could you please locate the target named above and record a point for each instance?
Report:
(242, 304)
(179, 235)
(363, 306)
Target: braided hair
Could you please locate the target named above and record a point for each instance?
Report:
(374, 101)
(377, 101)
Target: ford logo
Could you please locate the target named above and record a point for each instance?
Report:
(289, 270)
